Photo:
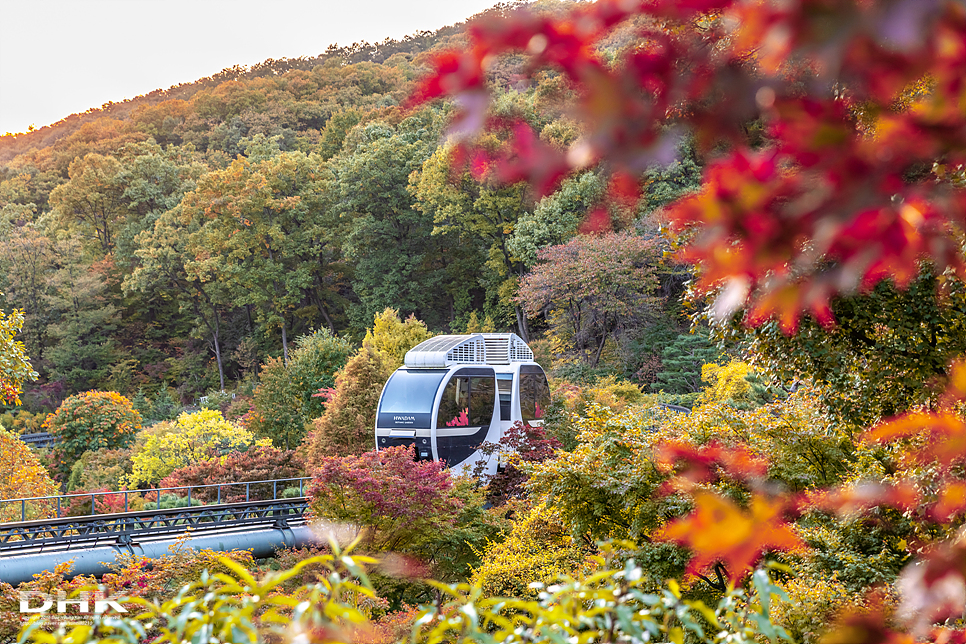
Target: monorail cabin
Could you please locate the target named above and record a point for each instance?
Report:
(455, 392)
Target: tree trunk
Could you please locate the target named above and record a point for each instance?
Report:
(216, 334)
(284, 343)
(522, 323)
(600, 350)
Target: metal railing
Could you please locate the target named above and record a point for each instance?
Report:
(57, 499)
(123, 527)
(39, 439)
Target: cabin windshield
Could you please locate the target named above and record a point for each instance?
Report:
(411, 391)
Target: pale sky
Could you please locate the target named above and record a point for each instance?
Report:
(59, 57)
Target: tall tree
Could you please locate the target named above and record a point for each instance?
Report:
(162, 254)
(260, 233)
(92, 203)
(594, 288)
(397, 263)
(477, 213)
(82, 349)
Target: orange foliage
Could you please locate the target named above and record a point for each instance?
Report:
(719, 531)
(22, 475)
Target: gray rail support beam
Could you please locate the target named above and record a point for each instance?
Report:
(93, 561)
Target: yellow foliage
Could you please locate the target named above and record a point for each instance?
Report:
(473, 324)
(725, 382)
(393, 337)
(812, 604)
(804, 446)
(539, 548)
(192, 438)
(607, 392)
(22, 475)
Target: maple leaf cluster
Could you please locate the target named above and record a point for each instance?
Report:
(860, 102)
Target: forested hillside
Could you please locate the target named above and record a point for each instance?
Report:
(178, 240)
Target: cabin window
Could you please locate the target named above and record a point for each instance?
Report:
(504, 385)
(467, 402)
(411, 391)
(534, 395)
(483, 394)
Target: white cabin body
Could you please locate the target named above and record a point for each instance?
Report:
(455, 392)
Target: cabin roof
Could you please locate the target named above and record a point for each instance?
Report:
(476, 348)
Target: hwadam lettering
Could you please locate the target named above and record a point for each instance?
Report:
(32, 601)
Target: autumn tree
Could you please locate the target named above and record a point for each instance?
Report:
(397, 262)
(886, 353)
(192, 438)
(15, 366)
(22, 476)
(478, 214)
(283, 401)
(91, 421)
(262, 463)
(26, 255)
(393, 500)
(91, 202)
(81, 347)
(346, 426)
(260, 233)
(594, 288)
(393, 337)
(161, 258)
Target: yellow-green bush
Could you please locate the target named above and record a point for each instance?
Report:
(811, 604)
(538, 549)
(22, 421)
(607, 392)
(191, 438)
(394, 337)
(725, 382)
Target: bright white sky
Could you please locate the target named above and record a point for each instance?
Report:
(59, 57)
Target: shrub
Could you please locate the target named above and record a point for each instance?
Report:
(79, 506)
(256, 464)
(392, 500)
(165, 407)
(22, 421)
(22, 475)
(520, 443)
(346, 425)
(217, 400)
(607, 392)
(808, 609)
(538, 549)
(139, 576)
(91, 421)
(238, 408)
(283, 399)
(102, 469)
(393, 337)
(193, 437)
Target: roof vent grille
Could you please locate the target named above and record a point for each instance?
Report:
(479, 348)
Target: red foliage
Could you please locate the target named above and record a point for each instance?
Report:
(705, 463)
(103, 503)
(824, 207)
(397, 499)
(520, 443)
(256, 464)
(719, 531)
(837, 197)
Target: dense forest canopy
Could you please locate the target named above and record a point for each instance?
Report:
(180, 239)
